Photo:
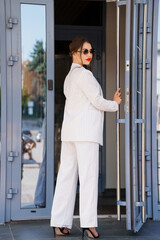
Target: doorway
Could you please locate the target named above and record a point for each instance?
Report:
(63, 36)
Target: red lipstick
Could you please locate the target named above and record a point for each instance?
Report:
(88, 59)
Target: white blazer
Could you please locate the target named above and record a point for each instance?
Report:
(84, 107)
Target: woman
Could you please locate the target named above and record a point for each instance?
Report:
(81, 134)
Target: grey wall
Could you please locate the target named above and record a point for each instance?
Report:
(110, 90)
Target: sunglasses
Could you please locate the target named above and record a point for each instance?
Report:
(86, 51)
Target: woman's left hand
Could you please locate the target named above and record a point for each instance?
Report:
(117, 96)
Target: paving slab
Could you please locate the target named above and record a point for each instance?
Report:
(5, 232)
(107, 228)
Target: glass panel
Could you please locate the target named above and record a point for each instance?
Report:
(0, 111)
(62, 58)
(158, 103)
(33, 42)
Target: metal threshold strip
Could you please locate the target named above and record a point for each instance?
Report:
(109, 216)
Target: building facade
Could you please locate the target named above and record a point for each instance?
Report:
(34, 60)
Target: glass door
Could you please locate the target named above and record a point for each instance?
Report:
(139, 153)
(31, 116)
(156, 112)
(140, 189)
(136, 155)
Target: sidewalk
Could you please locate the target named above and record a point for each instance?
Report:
(108, 229)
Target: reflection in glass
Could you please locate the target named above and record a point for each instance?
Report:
(158, 102)
(33, 42)
(62, 58)
(0, 112)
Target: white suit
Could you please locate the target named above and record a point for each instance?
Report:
(81, 134)
(84, 107)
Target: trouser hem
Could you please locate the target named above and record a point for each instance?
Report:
(88, 225)
(60, 225)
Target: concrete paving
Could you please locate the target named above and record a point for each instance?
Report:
(107, 228)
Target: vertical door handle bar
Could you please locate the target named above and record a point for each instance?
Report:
(143, 109)
(118, 116)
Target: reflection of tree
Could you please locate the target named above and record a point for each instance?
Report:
(38, 63)
(25, 100)
(34, 87)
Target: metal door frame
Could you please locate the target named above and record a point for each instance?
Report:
(141, 185)
(148, 150)
(12, 207)
(127, 115)
(126, 120)
(156, 205)
(134, 116)
(4, 115)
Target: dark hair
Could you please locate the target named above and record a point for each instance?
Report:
(77, 43)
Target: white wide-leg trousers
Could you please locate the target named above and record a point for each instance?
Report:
(77, 158)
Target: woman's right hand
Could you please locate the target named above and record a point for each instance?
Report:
(117, 96)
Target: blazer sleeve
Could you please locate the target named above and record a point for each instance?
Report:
(90, 87)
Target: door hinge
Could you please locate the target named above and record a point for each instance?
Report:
(147, 156)
(148, 30)
(11, 156)
(148, 192)
(148, 64)
(140, 204)
(12, 59)
(12, 21)
(140, 121)
(10, 193)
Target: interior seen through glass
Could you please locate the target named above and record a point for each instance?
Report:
(62, 58)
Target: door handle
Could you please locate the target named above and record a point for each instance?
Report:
(50, 85)
(118, 117)
(127, 99)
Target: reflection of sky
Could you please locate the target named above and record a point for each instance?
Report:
(159, 23)
(33, 27)
(158, 73)
(158, 58)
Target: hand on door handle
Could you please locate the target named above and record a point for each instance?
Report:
(117, 96)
